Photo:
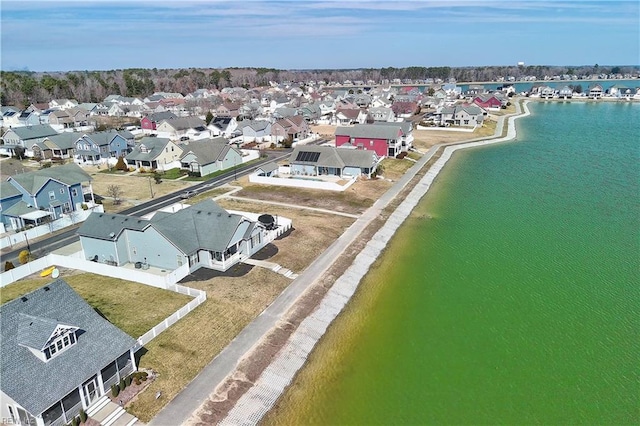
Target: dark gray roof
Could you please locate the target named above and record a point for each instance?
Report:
(35, 384)
(375, 131)
(157, 117)
(35, 332)
(69, 174)
(203, 226)
(268, 167)
(405, 126)
(34, 132)
(106, 226)
(207, 151)
(104, 138)
(184, 123)
(336, 157)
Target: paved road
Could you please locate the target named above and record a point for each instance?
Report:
(46, 245)
(187, 402)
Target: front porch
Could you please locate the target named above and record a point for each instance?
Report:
(89, 393)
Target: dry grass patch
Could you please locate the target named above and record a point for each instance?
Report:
(394, 169)
(132, 307)
(313, 232)
(184, 349)
(133, 187)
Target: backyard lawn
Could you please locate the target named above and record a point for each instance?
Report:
(132, 307)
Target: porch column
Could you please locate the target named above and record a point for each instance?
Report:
(100, 383)
(91, 191)
(82, 397)
(132, 354)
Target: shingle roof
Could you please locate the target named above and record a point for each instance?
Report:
(154, 147)
(204, 226)
(7, 190)
(69, 174)
(34, 132)
(184, 123)
(375, 131)
(65, 140)
(34, 332)
(105, 226)
(207, 151)
(35, 384)
(157, 117)
(337, 157)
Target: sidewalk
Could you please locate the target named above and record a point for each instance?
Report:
(199, 390)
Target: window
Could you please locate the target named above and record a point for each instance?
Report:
(62, 190)
(134, 250)
(66, 208)
(466, 121)
(74, 192)
(52, 195)
(60, 344)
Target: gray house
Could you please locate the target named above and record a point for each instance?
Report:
(24, 137)
(204, 235)
(255, 130)
(155, 153)
(56, 146)
(208, 156)
(327, 160)
(57, 356)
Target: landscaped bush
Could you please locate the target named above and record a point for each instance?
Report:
(115, 390)
(75, 422)
(8, 266)
(83, 206)
(128, 381)
(121, 165)
(123, 385)
(24, 257)
(83, 416)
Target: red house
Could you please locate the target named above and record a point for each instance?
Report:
(151, 121)
(487, 101)
(384, 140)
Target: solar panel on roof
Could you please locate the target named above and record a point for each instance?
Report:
(308, 156)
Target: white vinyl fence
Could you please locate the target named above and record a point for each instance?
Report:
(167, 282)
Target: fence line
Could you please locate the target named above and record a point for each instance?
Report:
(166, 282)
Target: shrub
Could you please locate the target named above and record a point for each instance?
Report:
(128, 381)
(24, 257)
(123, 385)
(74, 422)
(142, 170)
(8, 266)
(83, 416)
(115, 390)
(121, 165)
(83, 206)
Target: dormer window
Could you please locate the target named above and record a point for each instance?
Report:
(60, 344)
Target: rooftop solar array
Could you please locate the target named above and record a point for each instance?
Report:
(308, 156)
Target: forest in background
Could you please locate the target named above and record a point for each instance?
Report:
(21, 88)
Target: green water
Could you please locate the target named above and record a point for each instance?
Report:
(510, 296)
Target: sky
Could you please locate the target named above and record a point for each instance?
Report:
(307, 34)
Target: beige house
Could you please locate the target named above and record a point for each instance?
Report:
(155, 154)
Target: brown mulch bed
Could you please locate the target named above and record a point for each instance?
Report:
(130, 393)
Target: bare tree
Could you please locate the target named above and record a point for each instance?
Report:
(115, 192)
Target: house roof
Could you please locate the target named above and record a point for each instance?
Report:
(184, 123)
(69, 174)
(203, 226)
(33, 132)
(65, 140)
(328, 156)
(207, 151)
(7, 190)
(268, 167)
(105, 226)
(375, 131)
(157, 117)
(103, 138)
(35, 384)
(256, 125)
(34, 332)
(154, 147)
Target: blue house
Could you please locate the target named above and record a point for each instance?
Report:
(97, 148)
(36, 197)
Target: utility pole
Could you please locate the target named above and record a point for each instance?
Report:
(150, 187)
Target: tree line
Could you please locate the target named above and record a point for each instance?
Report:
(21, 88)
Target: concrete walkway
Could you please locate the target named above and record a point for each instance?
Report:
(272, 266)
(199, 390)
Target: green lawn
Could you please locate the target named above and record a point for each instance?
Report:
(132, 307)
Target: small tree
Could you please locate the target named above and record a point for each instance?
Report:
(157, 177)
(19, 152)
(209, 118)
(8, 266)
(115, 192)
(121, 165)
(24, 257)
